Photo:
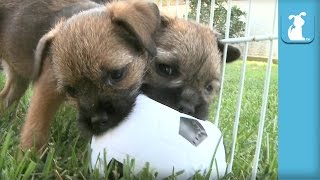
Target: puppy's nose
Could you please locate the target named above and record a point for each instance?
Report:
(99, 121)
(186, 108)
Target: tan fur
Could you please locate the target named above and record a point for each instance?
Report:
(44, 103)
(79, 59)
(196, 51)
(193, 53)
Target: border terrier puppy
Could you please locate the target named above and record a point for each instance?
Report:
(186, 72)
(96, 58)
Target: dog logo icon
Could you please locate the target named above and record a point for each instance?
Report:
(298, 27)
(295, 30)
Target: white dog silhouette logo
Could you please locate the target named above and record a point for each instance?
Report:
(295, 30)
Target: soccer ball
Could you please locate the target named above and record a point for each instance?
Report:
(166, 139)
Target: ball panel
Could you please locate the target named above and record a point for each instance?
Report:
(192, 131)
(150, 135)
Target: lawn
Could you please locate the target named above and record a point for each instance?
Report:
(249, 119)
(67, 155)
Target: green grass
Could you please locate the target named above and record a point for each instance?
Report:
(249, 119)
(67, 155)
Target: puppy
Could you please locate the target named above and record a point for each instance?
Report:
(186, 72)
(96, 58)
(22, 25)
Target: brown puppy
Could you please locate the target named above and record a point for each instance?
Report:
(22, 25)
(187, 70)
(96, 58)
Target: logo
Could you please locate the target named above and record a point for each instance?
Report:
(295, 30)
(298, 28)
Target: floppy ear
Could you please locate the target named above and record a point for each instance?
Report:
(233, 53)
(42, 50)
(139, 20)
(165, 21)
(291, 16)
(302, 14)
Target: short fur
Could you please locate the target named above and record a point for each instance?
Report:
(194, 55)
(187, 70)
(95, 56)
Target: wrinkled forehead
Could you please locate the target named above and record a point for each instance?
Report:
(193, 69)
(193, 46)
(92, 38)
(88, 46)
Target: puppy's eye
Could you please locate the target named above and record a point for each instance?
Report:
(209, 88)
(166, 70)
(117, 75)
(71, 91)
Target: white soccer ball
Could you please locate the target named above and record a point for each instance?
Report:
(165, 138)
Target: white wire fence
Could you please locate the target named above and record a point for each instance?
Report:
(178, 6)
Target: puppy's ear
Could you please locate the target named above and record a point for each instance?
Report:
(42, 49)
(233, 53)
(139, 20)
(291, 16)
(302, 14)
(165, 21)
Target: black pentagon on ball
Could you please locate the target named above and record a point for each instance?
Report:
(115, 165)
(192, 131)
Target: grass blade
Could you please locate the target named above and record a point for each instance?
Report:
(48, 165)
(22, 164)
(32, 166)
(207, 177)
(4, 149)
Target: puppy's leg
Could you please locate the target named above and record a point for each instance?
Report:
(45, 102)
(14, 88)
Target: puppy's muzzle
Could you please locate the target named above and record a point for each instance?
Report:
(99, 121)
(103, 115)
(186, 108)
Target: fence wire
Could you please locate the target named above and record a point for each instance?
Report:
(248, 38)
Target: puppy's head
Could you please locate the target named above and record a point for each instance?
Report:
(98, 58)
(186, 72)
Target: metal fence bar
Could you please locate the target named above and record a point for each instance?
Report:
(246, 39)
(213, 2)
(177, 8)
(264, 103)
(250, 39)
(216, 121)
(198, 11)
(241, 87)
(187, 9)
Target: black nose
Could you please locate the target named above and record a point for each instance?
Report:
(99, 121)
(186, 108)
